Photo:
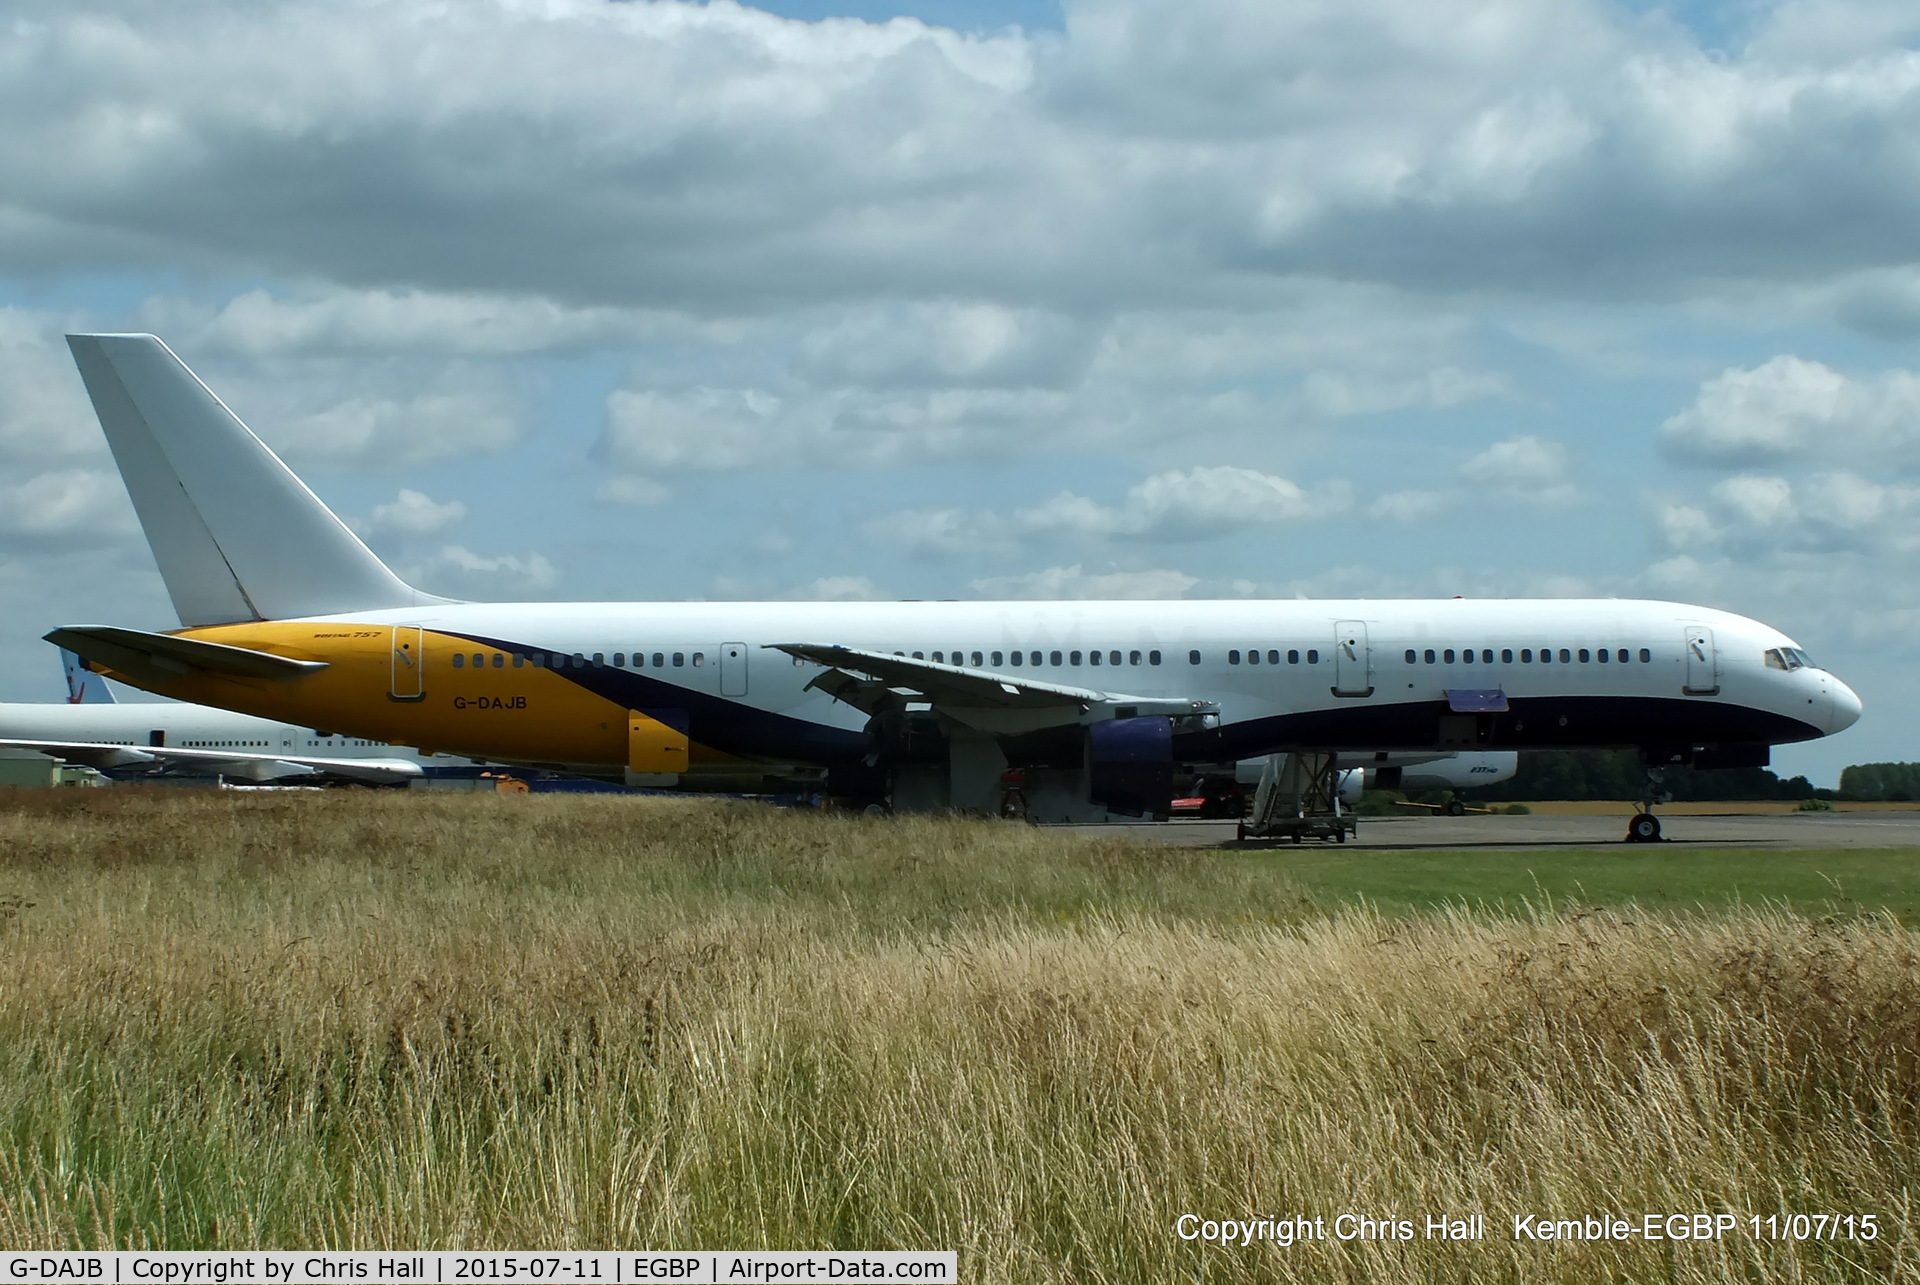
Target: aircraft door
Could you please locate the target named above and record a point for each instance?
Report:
(1703, 668)
(733, 669)
(1352, 659)
(409, 664)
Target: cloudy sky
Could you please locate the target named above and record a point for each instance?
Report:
(1140, 298)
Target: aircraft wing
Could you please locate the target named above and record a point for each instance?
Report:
(989, 700)
(234, 763)
(162, 657)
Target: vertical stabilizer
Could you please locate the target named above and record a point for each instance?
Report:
(84, 687)
(236, 534)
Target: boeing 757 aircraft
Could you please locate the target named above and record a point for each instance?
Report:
(287, 615)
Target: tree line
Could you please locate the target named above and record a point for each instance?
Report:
(1618, 774)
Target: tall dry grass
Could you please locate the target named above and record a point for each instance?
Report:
(395, 1020)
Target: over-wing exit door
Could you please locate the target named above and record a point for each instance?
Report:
(733, 669)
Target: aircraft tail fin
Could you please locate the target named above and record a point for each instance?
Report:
(237, 535)
(84, 687)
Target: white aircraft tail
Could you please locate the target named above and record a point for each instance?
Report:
(84, 687)
(237, 535)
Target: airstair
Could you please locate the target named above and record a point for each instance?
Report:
(1299, 798)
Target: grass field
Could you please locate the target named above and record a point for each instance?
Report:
(395, 1020)
(1808, 883)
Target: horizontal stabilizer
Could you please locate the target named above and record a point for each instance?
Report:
(237, 535)
(161, 658)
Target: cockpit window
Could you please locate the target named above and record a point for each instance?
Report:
(1788, 658)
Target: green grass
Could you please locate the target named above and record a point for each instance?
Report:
(1811, 881)
(398, 1020)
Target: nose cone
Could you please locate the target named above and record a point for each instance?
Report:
(1845, 707)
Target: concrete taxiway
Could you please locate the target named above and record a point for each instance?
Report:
(1726, 830)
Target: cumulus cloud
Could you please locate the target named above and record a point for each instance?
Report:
(713, 156)
(1196, 504)
(1528, 470)
(81, 506)
(1791, 409)
(369, 416)
(459, 569)
(1074, 582)
(337, 320)
(840, 589)
(44, 412)
(1759, 517)
(413, 513)
(1414, 505)
(949, 343)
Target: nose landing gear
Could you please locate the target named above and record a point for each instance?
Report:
(1644, 826)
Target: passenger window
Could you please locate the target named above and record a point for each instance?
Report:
(519, 659)
(1193, 658)
(1412, 656)
(1506, 655)
(1566, 657)
(1602, 656)
(1429, 655)
(1583, 655)
(1526, 655)
(599, 660)
(1093, 658)
(977, 661)
(996, 659)
(1447, 655)
(1133, 658)
(1016, 660)
(940, 657)
(699, 657)
(659, 659)
(1313, 657)
(918, 655)
(1233, 657)
(1253, 655)
(1646, 656)
(1273, 656)
(1623, 656)
(1486, 656)
(1466, 656)
(1033, 658)
(579, 660)
(459, 661)
(1153, 658)
(499, 661)
(679, 659)
(539, 659)
(1293, 656)
(1055, 658)
(619, 660)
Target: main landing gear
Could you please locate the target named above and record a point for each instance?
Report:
(1644, 827)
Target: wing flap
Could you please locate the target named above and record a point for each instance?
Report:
(988, 700)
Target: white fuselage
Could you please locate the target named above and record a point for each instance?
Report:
(1574, 672)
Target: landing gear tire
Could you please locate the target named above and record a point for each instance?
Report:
(1644, 828)
(1455, 808)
